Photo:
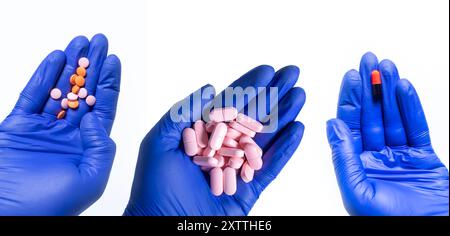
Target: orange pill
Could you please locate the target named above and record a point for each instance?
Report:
(75, 89)
(80, 81)
(61, 115)
(81, 71)
(73, 104)
(72, 79)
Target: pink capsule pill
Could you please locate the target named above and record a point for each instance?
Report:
(246, 140)
(249, 122)
(208, 152)
(242, 129)
(220, 160)
(55, 94)
(72, 97)
(83, 62)
(217, 136)
(253, 154)
(206, 168)
(200, 131)
(209, 126)
(247, 173)
(229, 142)
(190, 142)
(229, 181)
(82, 93)
(223, 114)
(235, 162)
(231, 152)
(205, 161)
(90, 100)
(65, 103)
(216, 181)
(232, 133)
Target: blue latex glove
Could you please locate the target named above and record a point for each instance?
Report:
(60, 167)
(382, 153)
(167, 182)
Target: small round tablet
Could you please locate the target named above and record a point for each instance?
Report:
(55, 94)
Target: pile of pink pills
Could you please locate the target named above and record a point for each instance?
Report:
(77, 90)
(224, 147)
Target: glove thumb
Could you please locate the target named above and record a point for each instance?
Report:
(348, 167)
(99, 150)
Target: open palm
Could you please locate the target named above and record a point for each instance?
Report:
(60, 167)
(384, 161)
(167, 182)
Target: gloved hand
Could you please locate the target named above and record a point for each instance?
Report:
(382, 153)
(60, 167)
(167, 182)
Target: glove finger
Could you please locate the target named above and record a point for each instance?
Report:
(167, 133)
(107, 92)
(413, 116)
(287, 110)
(99, 151)
(349, 105)
(244, 89)
(275, 158)
(76, 49)
(259, 108)
(371, 117)
(33, 97)
(349, 170)
(394, 133)
(98, 49)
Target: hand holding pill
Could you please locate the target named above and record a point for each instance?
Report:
(55, 150)
(218, 164)
(384, 161)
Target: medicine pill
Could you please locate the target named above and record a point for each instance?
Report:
(235, 162)
(229, 142)
(205, 161)
(81, 71)
(61, 115)
(231, 152)
(376, 84)
(75, 89)
(64, 103)
(249, 123)
(55, 94)
(229, 181)
(200, 131)
(208, 152)
(90, 100)
(73, 104)
(72, 79)
(217, 136)
(80, 81)
(216, 181)
(72, 96)
(242, 129)
(232, 133)
(247, 173)
(83, 62)
(82, 93)
(190, 142)
(253, 154)
(223, 114)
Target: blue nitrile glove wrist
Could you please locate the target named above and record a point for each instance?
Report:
(382, 153)
(167, 182)
(60, 167)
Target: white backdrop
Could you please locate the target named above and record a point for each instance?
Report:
(173, 47)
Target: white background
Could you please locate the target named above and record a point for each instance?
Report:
(175, 47)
